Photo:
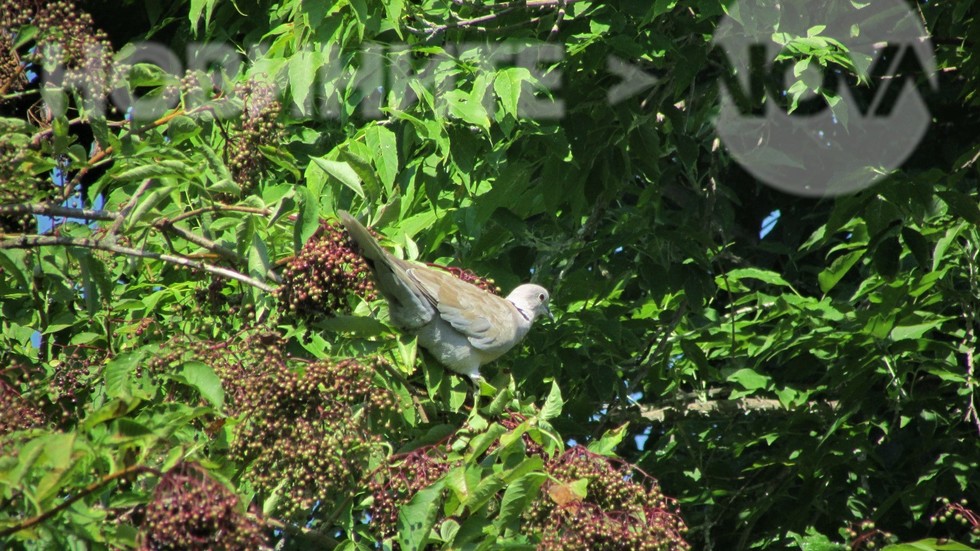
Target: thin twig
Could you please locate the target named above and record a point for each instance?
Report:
(200, 240)
(219, 207)
(558, 21)
(69, 187)
(434, 29)
(30, 242)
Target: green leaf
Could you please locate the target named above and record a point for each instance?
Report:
(393, 13)
(515, 500)
(930, 544)
(464, 107)
(343, 173)
(606, 445)
(385, 147)
(194, 16)
(917, 245)
(146, 204)
(942, 245)
(259, 263)
(158, 169)
(200, 376)
(482, 441)
(815, 541)
(118, 372)
(417, 517)
(962, 205)
(302, 70)
(831, 276)
(308, 217)
(765, 276)
(749, 379)
(553, 404)
(507, 85)
(905, 332)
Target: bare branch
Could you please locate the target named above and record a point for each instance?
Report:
(199, 240)
(33, 241)
(44, 209)
(692, 406)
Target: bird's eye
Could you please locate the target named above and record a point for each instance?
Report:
(541, 297)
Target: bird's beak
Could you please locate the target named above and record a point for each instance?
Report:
(548, 312)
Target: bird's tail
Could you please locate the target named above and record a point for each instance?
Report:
(407, 302)
(368, 245)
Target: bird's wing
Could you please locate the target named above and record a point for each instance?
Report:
(487, 321)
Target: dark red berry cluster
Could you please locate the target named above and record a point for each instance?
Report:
(69, 385)
(623, 508)
(58, 389)
(484, 283)
(19, 184)
(191, 511)
(399, 480)
(307, 429)
(67, 45)
(308, 432)
(320, 279)
(960, 513)
(16, 413)
(259, 126)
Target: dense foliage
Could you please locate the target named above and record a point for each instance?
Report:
(192, 356)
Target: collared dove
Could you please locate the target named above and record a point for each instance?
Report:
(460, 324)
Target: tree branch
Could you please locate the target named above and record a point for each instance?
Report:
(199, 240)
(135, 469)
(30, 242)
(218, 208)
(689, 405)
(44, 209)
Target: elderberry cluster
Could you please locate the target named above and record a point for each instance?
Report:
(865, 535)
(960, 513)
(307, 430)
(259, 126)
(55, 392)
(320, 278)
(310, 430)
(17, 184)
(399, 480)
(618, 511)
(69, 384)
(192, 511)
(16, 412)
(67, 46)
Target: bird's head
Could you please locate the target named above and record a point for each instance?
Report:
(531, 300)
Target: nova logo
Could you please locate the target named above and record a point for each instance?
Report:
(822, 98)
